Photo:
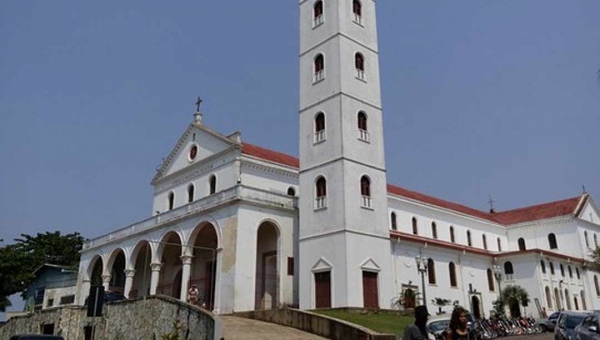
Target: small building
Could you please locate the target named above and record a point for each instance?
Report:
(52, 286)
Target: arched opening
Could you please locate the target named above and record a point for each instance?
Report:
(522, 245)
(576, 303)
(552, 241)
(431, 271)
(291, 191)
(170, 201)
(190, 191)
(362, 121)
(469, 240)
(394, 221)
(452, 238)
(357, 10)
(116, 268)
(318, 13)
(587, 241)
(543, 266)
(319, 67)
(319, 127)
(141, 259)
(434, 230)
(562, 270)
(570, 270)
(365, 191)
(415, 229)
(548, 297)
(359, 64)
(212, 182)
(567, 299)
(452, 271)
(476, 307)
(267, 260)
(170, 257)
(596, 285)
(557, 299)
(321, 193)
(203, 274)
(508, 270)
(490, 279)
(551, 268)
(95, 271)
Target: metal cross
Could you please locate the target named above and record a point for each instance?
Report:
(491, 202)
(198, 102)
(583, 187)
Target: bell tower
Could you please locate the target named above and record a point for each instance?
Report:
(344, 243)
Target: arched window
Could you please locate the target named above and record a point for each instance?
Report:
(577, 272)
(557, 299)
(190, 191)
(365, 191)
(318, 13)
(551, 267)
(576, 303)
(357, 10)
(596, 285)
(431, 271)
(363, 133)
(490, 278)
(212, 182)
(508, 270)
(587, 241)
(469, 241)
(394, 221)
(562, 270)
(291, 191)
(570, 272)
(567, 299)
(522, 245)
(548, 297)
(484, 240)
(499, 244)
(415, 230)
(452, 238)
(552, 241)
(319, 127)
(434, 230)
(319, 67)
(170, 201)
(543, 265)
(359, 63)
(452, 271)
(321, 193)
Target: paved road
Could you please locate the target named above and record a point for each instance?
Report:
(543, 336)
(235, 328)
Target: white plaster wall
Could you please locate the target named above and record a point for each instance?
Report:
(589, 213)
(272, 181)
(536, 236)
(56, 294)
(371, 152)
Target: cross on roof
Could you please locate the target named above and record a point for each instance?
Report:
(491, 203)
(198, 102)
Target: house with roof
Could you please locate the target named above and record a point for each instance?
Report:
(252, 228)
(52, 286)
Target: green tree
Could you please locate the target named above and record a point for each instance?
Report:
(440, 303)
(18, 261)
(515, 297)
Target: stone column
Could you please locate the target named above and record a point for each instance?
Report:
(155, 267)
(85, 291)
(185, 276)
(129, 274)
(106, 281)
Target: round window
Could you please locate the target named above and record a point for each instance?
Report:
(193, 152)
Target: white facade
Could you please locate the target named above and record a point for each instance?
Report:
(253, 228)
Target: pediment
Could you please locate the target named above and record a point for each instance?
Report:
(321, 265)
(370, 265)
(205, 143)
(589, 211)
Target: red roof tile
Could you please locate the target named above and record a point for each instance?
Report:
(270, 155)
(538, 212)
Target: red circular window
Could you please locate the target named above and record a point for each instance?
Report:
(193, 152)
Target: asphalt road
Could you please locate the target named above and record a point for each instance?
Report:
(542, 336)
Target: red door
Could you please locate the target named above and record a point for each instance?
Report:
(323, 289)
(370, 294)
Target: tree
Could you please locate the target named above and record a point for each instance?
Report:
(440, 302)
(18, 261)
(514, 297)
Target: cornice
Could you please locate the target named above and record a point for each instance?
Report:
(259, 164)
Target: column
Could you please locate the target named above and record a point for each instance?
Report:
(155, 267)
(85, 291)
(129, 274)
(185, 276)
(217, 303)
(106, 281)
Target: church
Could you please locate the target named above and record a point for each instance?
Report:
(253, 228)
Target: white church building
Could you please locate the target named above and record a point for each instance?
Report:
(254, 228)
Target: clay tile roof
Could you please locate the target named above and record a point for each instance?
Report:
(270, 155)
(538, 212)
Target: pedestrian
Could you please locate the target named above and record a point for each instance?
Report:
(418, 330)
(458, 325)
(193, 295)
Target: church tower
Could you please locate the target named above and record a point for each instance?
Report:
(344, 243)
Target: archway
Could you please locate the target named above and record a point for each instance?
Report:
(267, 259)
(141, 259)
(476, 306)
(116, 268)
(170, 257)
(95, 271)
(204, 264)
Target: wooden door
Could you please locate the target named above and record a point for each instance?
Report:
(323, 289)
(370, 293)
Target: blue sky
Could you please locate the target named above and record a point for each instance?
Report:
(480, 98)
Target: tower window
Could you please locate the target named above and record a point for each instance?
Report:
(190, 191)
(170, 201)
(320, 127)
(318, 13)
(362, 126)
(321, 193)
(357, 9)
(365, 191)
(319, 68)
(415, 230)
(359, 63)
(212, 183)
(394, 221)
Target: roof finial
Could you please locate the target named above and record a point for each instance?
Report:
(198, 114)
(491, 203)
(583, 187)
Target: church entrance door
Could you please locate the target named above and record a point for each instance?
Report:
(476, 307)
(267, 261)
(323, 289)
(370, 291)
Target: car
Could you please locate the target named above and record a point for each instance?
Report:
(567, 321)
(548, 324)
(109, 296)
(36, 337)
(589, 328)
(437, 325)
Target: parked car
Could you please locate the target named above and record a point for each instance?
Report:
(548, 324)
(36, 337)
(567, 321)
(109, 296)
(589, 328)
(437, 325)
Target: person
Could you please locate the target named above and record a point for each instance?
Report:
(418, 330)
(458, 325)
(193, 295)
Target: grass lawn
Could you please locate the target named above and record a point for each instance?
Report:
(379, 322)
